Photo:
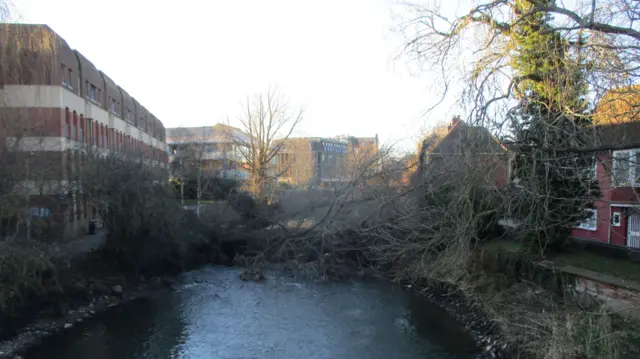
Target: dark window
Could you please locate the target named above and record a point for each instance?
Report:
(89, 132)
(92, 92)
(67, 123)
(82, 128)
(74, 134)
(63, 70)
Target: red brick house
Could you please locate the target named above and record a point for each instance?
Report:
(465, 151)
(616, 217)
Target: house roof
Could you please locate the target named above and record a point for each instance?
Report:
(476, 137)
(617, 119)
(618, 135)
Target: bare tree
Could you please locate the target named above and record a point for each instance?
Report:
(600, 36)
(194, 148)
(266, 121)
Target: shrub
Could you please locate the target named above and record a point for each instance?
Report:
(26, 269)
(146, 228)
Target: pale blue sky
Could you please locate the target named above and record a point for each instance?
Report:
(193, 62)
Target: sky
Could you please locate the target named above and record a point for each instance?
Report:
(194, 62)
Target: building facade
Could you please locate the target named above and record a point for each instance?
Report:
(55, 106)
(325, 162)
(213, 150)
(615, 218)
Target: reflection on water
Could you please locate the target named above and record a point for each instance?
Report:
(213, 314)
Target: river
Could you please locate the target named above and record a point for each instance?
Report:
(210, 313)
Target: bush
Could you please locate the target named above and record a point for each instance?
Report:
(25, 270)
(146, 228)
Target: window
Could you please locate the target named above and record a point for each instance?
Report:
(74, 133)
(65, 71)
(66, 76)
(78, 89)
(69, 77)
(89, 132)
(92, 93)
(99, 97)
(113, 106)
(616, 219)
(81, 134)
(626, 168)
(67, 123)
(590, 223)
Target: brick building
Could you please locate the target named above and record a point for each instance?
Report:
(55, 106)
(314, 161)
(615, 218)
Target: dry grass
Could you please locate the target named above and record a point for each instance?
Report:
(546, 326)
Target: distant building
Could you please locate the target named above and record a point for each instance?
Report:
(211, 147)
(327, 162)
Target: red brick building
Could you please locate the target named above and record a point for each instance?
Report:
(616, 217)
(55, 104)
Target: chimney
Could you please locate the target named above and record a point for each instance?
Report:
(454, 121)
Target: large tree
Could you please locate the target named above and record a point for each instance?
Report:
(266, 121)
(533, 71)
(551, 114)
(478, 47)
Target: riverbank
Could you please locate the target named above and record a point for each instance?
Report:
(470, 315)
(77, 289)
(515, 308)
(508, 315)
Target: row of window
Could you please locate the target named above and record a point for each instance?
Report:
(94, 94)
(625, 171)
(95, 134)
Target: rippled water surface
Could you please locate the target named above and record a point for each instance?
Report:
(212, 314)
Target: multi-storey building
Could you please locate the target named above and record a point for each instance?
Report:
(210, 150)
(313, 161)
(55, 104)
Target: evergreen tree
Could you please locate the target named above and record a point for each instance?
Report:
(554, 173)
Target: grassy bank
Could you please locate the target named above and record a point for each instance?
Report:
(535, 313)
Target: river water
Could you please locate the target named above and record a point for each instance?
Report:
(210, 313)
